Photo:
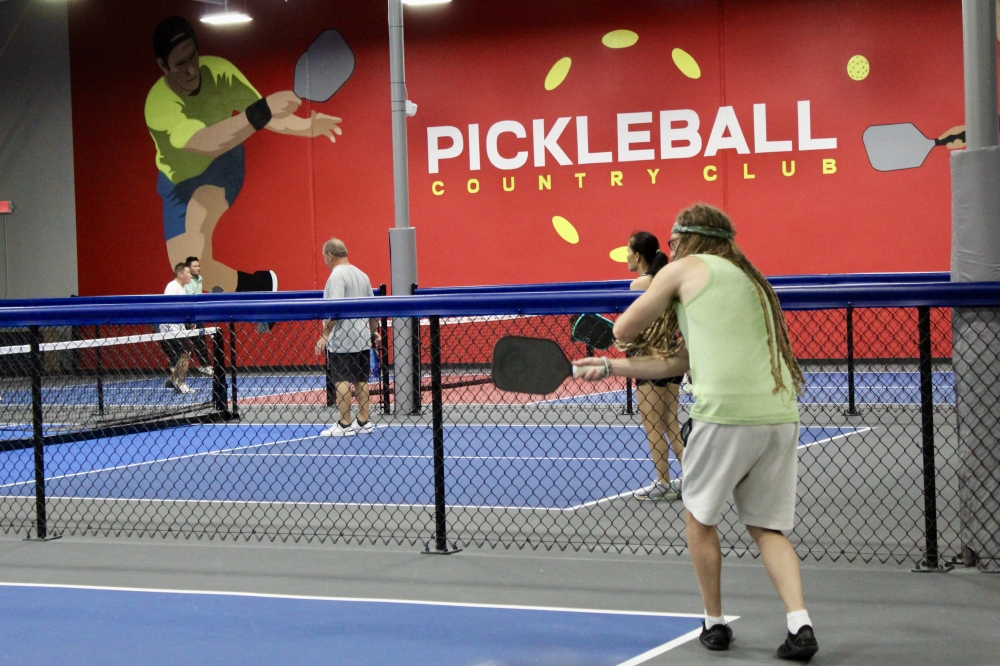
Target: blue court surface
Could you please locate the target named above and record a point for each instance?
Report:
(872, 388)
(107, 626)
(392, 465)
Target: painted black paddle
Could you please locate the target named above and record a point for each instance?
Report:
(594, 331)
(324, 67)
(529, 365)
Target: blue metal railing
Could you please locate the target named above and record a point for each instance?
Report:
(537, 303)
(554, 287)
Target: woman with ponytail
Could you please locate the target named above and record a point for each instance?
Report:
(657, 397)
(745, 421)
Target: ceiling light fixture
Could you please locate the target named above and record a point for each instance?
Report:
(225, 16)
(424, 2)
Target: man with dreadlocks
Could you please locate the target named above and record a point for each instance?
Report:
(745, 420)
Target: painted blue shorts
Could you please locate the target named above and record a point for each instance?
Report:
(225, 171)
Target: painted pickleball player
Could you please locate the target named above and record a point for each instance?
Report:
(347, 342)
(657, 397)
(745, 420)
(199, 113)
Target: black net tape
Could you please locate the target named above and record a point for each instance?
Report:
(244, 456)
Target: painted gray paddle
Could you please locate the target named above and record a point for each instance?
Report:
(529, 365)
(324, 67)
(900, 146)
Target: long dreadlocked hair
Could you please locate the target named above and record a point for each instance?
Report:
(660, 338)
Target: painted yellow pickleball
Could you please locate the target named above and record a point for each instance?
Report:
(557, 74)
(565, 230)
(858, 68)
(620, 254)
(620, 39)
(687, 64)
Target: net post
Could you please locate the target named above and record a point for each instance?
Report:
(930, 563)
(232, 368)
(851, 407)
(437, 427)
(98, 370)
(218, 373)
(415, 342)
(35, 358)
(383, 352)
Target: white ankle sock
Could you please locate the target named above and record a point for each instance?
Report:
(712, 621)
(797, 620)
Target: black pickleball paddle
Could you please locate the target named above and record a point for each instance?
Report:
(594, 331)
(529, 365)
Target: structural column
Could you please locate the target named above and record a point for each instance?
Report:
(403, 237)
(975, 257)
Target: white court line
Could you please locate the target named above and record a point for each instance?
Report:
(800, 446)
(398, 456)
(161, 460)
(666, 647)
(302, 597)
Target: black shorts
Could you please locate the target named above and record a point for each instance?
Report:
(666, 381)
(174, 348)
(354, 367)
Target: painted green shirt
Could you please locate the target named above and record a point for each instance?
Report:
(726, 337)
(172, 120)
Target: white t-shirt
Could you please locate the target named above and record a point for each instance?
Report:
(174, 288)
(349, 335)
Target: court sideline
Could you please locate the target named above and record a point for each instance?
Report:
(866, 614)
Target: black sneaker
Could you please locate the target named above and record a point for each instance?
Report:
(717, 638)
(800, 647)
(169, 385)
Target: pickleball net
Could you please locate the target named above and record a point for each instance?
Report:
(61, 391)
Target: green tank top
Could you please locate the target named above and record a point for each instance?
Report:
(726, 337)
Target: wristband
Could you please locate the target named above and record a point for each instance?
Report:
(259, 114)
(607, 366)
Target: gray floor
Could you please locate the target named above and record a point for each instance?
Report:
(864, 614)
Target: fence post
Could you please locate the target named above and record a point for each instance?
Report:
(232, 366)
(218, 373)
(35, 358)
(383, 352)
(415, 343)
(851, 408)
(437, 428)
(628, 396)
(930, 563)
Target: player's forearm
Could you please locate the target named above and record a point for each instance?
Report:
(221, 137)
(292, 124)
(650, 367)
(328, 326)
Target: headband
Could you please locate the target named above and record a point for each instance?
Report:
(704, 231)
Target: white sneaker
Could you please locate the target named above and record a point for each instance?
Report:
(367, 427)
(659, 491)
(205, 371)
(337, 430)
(183, 388)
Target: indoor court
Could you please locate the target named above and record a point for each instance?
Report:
(482, 333)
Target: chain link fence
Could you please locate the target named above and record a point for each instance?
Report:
(98, 438)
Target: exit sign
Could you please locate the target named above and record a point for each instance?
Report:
(6, 207)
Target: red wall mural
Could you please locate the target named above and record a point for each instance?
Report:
(756, 107)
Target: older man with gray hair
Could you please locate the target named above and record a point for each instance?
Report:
(347, 342)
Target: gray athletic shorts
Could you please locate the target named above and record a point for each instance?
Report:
(757, 464)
